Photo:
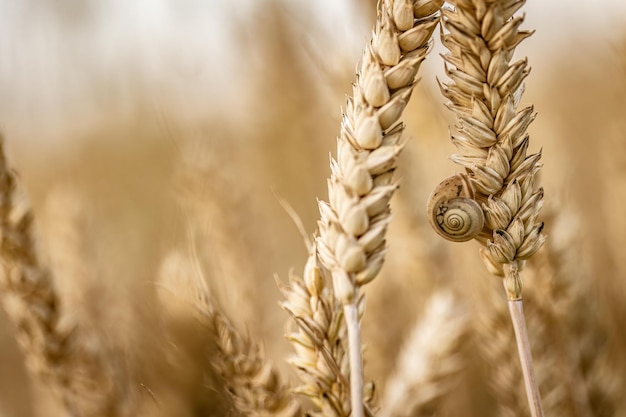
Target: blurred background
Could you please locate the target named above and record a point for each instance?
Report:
(142, 123)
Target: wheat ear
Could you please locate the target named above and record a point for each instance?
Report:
(255, 387)
(351, 242)
(29, 297)
(429, 361)
(484, 92)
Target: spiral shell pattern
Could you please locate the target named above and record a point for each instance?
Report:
(453, 212)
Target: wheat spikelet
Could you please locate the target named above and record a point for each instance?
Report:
(429, 361)
(351, 242)
(55, 351)
(319, 340)
(249, 379)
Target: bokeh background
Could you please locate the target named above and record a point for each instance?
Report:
(142, 123)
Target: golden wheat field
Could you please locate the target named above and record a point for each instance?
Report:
(158, 157)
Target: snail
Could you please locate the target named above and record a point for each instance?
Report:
(452, 210)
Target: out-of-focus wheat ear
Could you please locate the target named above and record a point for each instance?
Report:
(430, 360)
(51, 348)
(596, 373)
(550, 290)
(600, 367)
(99, 372)
(255, 387)
(353, 224)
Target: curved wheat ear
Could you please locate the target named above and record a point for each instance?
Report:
(53, 352)
(252, 383)
(351, 242)
(430, 361)
(484, 92)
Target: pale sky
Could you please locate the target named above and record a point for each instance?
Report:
(50, 58)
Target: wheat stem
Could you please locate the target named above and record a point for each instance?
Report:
(516, 310)
(513, 287)
(351, 315)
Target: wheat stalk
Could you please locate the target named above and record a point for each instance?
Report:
(430, 361)
(484, 92)
(351, 243)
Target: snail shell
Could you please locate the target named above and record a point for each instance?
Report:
(453, 212)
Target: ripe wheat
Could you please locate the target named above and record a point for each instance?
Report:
(197, 361)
